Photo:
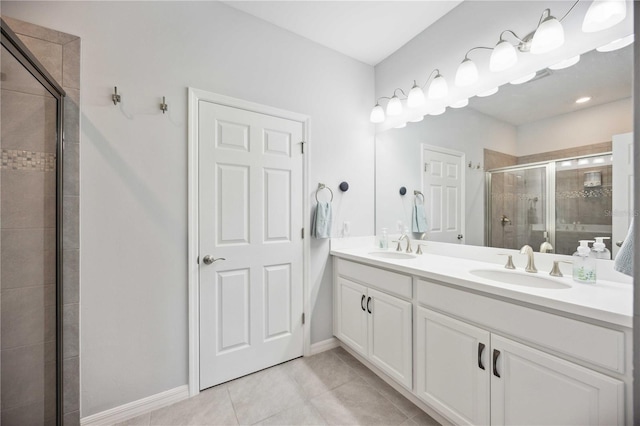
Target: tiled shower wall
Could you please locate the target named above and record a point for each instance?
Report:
(59, 53)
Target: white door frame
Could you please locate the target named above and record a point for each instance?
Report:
(463, 179)
(195, 96)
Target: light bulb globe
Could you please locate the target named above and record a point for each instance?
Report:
(394, 107)
(377, 114)
(438, 88)
(467, 73)
(416, 97)
(549, 36)
(603, 14)
(503, 56)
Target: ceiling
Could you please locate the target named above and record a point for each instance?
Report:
(359, 29)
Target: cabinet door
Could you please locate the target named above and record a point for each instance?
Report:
(390, 336)
(352, 315)
(453, 367)
(537, 388)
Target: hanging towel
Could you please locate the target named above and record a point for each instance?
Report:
(419, 220)
(321, 224)
(624, 258)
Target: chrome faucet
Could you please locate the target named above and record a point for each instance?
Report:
(531, 267)
(406, 237)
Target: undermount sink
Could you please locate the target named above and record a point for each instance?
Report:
(516, 278)
(392, 255)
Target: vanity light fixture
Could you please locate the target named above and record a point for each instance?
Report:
(524, 79)
(598, 160)
(565, 64)
(460, 104)
(616, 44)
(438, 111)
(603, 14)
(416, 96)
(549, 35)
(583, 162)
(583, 99)
(467, 73)
(488, 93)
(566, 163)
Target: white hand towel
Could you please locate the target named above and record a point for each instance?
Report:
(321, 225)
(419, 220)
(624, 258)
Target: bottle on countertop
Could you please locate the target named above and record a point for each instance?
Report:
(600, 251)
(584, 264)
(384, 240)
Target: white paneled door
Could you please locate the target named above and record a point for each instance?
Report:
(443, 188)
(250, 223)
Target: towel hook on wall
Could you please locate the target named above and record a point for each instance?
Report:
(344, 186)
(115, 97)
(403, 190)
(163, 106)
(322, 186)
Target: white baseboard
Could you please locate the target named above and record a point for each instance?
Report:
(136, 408)
(324, 345)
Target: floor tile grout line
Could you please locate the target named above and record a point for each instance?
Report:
(235, 413)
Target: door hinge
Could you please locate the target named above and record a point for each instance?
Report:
(302, 233)
(302, 146)
(303, 318)
(425, 166)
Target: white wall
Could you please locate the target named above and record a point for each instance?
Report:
(134, 166)
(584, 127)
(399, 156)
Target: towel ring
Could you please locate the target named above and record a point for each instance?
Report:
(322, 186)
(417, 193)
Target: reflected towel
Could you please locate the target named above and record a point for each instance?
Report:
(419, 220)
(624, 258)
(321, 223)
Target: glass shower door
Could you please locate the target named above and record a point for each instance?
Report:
(30, 119)
(517, 212)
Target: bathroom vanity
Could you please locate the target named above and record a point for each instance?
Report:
(474, 343)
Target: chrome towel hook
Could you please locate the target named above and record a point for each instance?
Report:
(115, 97)
(163, 106)
(322, 186)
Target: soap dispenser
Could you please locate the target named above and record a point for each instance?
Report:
(384, 239)
(584, 265)
(600, 251)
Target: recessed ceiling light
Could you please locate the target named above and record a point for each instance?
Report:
(524, 79)
(566, 63)
(438, 111)
(488, 93)
(616, 44)
(583, 99)
(460, 104)
(417, 119)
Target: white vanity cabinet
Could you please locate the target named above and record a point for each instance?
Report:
(476, 376)
(372, 322)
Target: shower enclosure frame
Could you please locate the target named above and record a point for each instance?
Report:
(550, 211)
(17, 48)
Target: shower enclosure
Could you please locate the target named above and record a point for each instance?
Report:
(31, 116)
(562, 202)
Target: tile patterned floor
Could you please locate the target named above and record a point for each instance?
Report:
(331, 388)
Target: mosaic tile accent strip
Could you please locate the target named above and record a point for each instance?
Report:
(13, 159)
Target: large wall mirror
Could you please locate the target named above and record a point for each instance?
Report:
(524, 165)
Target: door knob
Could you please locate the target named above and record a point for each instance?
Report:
(208, 259)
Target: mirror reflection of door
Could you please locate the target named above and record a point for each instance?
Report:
(443, 188)
(622, 209)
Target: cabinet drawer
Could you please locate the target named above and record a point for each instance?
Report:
(593, 344)
(389, 282)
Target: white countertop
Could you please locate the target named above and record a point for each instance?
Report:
(607, 301)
